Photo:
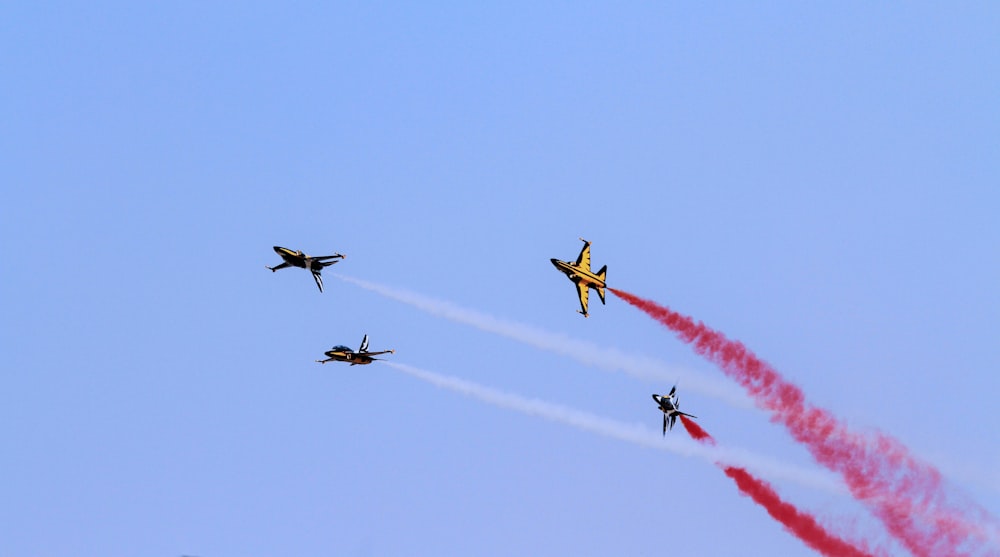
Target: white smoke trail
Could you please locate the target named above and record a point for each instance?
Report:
(632, 433)
(587, 353)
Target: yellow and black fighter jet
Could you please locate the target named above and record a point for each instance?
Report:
(581, 275)
(361, 357)
(670, 406)
(313, 264)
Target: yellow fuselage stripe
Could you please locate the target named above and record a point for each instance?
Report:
(586, 277)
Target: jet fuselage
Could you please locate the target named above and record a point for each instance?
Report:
(665, 403)
(355, 358)
(578, 274)
(294, 258)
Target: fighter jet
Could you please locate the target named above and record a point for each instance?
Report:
(361, 357)
(671, 408)
(313, 264)
(581, 275)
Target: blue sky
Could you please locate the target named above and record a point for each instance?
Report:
(818, 181)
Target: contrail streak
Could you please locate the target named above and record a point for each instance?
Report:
(801, 524)
(907, 494)
(631, 433)
(601, 357)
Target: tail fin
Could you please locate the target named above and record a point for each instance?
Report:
(601, 275)
(317, 277)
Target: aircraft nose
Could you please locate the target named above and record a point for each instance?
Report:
(555, 262)
(278, 249)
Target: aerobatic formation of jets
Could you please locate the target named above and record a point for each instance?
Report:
(315, 264)
(579, 272)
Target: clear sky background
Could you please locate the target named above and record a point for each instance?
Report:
(819, 181)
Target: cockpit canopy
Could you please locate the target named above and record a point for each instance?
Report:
(341, 348)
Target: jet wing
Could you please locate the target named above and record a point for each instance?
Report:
(583, 261)
(584, 292)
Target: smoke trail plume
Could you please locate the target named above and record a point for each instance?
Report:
(801, 524)
(601, 357)
(905, 493)
(696, 432)
(631, 433)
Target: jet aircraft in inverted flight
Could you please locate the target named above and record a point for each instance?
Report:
(361, 357)
(670, 407)
(293, 258)
(582, 276)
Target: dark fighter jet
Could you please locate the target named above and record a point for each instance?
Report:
(298, 259)
(670, 407)
(361, 357)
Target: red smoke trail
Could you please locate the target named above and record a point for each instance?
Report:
(907, 495)
(803, 525)
(695, 431)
